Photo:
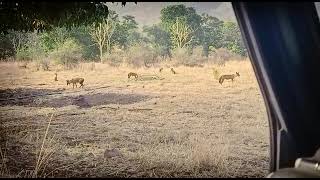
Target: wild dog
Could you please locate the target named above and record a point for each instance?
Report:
(173, 71)
(56, 77)
(135, 75)
(228, 76)
(74, 81)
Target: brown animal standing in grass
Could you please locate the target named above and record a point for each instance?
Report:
(133, 74)
(160, 70)
(24, 65)
(215, 73)
(228, 76)
(74, 81)
(173, 71)
(56, 77)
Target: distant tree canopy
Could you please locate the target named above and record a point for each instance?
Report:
(169, 15)
(29, 16)
(90, 31)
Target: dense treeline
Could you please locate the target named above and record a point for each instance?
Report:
(182, 36)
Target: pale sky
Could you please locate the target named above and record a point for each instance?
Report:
(148, 13)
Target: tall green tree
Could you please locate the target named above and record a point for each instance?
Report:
(18, 40)
(29, 15)
(159, 39)
(82, 35)
(232, 39)
(53, 38)
(211, 33)
(170, 14)
(124, 31)
(181, 33)
(102, 33)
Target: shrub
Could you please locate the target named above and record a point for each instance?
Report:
(23, 54)
(197, 56)
(43, 63)
(139, 55)
(216, 73)
(68, 54)
(220, 56)
(180, 55)
(6, 47)
(114, 59)
(30, 47)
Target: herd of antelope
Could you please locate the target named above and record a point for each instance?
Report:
(74, 81)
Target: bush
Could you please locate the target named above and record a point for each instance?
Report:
(83, 37)
(139, 55)
(220, 56)
(114, 59)
(43, 63)
(162, 51)
(23, 55)
(68, 54)
(216, 73)
(180, 55)
(197, 56)
(30, 47)
(6, 47)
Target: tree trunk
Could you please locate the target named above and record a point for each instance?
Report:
(205, 50)
(100, 53)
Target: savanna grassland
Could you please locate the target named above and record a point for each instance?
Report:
(176, 125)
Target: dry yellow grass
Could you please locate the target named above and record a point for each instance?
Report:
(185, 125)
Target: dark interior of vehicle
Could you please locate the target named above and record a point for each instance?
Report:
(283, 40)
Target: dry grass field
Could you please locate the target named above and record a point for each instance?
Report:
(181, 125)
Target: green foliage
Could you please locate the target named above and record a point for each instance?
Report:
(208, 31)
(114, 59)
(102, 34)
(139, 55)
(125, 32)
(135, 38)
(232, 38)
(82, 36)
(18, 39)
(129, 23)
(222, 55)
(191, 38)
(197, 55)
(211, 33)
(68, 54)
(180, 55)
(28, 46)
(54, 38)
(6, 47)
(43, 63)
(159, 39)
(169, 15)
(29, 16)
(181, 33)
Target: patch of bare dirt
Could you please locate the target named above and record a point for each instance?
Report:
(33, 98)
(24, 96)
(90, 100)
